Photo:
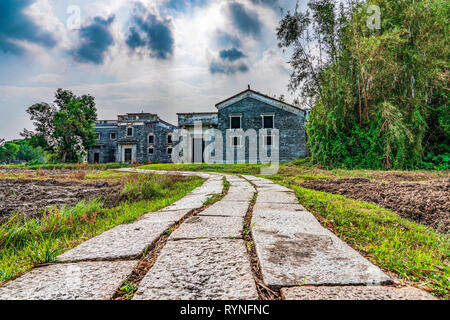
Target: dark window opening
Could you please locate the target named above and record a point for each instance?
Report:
(151, 150)
(169, 139)
(129, 132)
(96, 157)
(268, 140)
(113, 136)
(236, 141)
(151, 139)
(268, 122)
(169, 150)
(235, 122)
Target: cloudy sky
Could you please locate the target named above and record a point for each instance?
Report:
(159, 56)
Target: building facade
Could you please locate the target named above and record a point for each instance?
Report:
(244, 120)
(134, 137)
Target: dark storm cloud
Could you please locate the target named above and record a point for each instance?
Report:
(15, 25)
(246, 21)
(231, 54)
(182, 5)
(270, 3)
(224, 39)
(225, 68)
(95, 40)
(150, 32)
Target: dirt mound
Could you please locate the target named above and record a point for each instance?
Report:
(30, 196)
(427, 203)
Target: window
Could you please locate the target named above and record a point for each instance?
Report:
(129, 132)
(235, 122)
(98, 135)
(268, 121)
(151, 150)
(169, 150)
(151, 139)
(113, 136)
(267, 141)
(169, 138)
(236, 141)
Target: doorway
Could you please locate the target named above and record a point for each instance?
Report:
(198, 150)
(128, 155)
(96, 157)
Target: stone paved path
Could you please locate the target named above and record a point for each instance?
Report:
(206, 257)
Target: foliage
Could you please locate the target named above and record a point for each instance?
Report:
(8, 151)
(66, 128)
(379, 98)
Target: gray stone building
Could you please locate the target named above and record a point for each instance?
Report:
(246, 119)
(134, 137)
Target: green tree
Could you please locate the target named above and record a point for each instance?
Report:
(379, 97)
(65, 128)
(8, 151)
(27, 152)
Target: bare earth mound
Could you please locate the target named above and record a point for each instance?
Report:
(29, 197)
(427, 203)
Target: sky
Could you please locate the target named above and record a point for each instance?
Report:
(157, 56)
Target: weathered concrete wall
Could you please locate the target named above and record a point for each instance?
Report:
(113, 150)
(292, 143)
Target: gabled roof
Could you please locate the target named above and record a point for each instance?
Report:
(249, 93)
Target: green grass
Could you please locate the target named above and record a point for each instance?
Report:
(414, 252)
(68, 166)
(25, 243)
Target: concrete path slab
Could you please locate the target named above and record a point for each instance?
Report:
(201, 269)
(268, 196)
(209, 227)
(355, 293)
(229, 209)
(295, 249)
(122, 242)
(71, 281)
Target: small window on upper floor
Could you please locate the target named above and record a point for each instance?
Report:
(268, 140)
(268, 121)
(169, 138)
(151, 138)
(113, 136)
(235, 122)
(98, 135)
(151, 150)
(129, 132)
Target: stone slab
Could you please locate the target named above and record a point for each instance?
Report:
(171, 216)
(355, 293)
(71, 281)
(121, 242)
(209, 227)
(229, 209)
(236, 195)
(189, 202)
(201, 269)
(274, 209)
(313, 257)
(294, 249)
(269, 196)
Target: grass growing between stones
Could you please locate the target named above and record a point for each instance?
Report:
(30, 242)
(415, 253)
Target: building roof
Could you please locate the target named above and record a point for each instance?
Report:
(260, 96)
(182, 113)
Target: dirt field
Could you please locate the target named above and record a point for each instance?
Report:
(427, 203)
(29, 196)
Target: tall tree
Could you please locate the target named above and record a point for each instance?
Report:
(8, 151)
(379, 96)
(65, 128)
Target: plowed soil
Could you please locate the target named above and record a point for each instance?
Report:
(426, 203)
(30, 197)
